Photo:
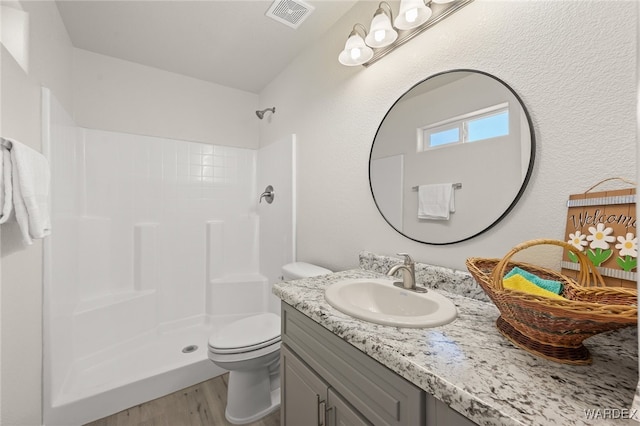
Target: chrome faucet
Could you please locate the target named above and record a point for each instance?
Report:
(408, 269)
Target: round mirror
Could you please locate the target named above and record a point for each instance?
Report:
(451, 157)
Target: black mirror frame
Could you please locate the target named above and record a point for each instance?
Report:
(525, 182)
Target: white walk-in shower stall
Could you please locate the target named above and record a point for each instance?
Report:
(155, 243)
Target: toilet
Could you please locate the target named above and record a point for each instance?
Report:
(249, 349)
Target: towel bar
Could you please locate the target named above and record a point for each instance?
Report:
(455, 186)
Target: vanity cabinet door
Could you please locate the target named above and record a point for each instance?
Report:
(440, 414)
(341, 413)
(304, 394)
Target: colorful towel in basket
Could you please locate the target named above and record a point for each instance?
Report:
(549, 285)
(520, 283)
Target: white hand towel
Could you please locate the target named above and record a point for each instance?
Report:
(6, 189)
(30, 178)
(436, 201)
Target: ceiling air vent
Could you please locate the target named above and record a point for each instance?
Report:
(289, 12)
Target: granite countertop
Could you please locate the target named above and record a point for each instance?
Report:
(471, 367)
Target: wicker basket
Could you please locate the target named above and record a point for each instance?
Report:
(555, 328)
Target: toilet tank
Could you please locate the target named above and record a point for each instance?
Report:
(296, 270)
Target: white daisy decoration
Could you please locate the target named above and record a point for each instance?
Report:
(600, 237)
(628, 245)
(577, 240)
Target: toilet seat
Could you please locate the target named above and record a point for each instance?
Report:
(247, 335)
(244, 349)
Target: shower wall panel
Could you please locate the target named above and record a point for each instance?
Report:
(149, 200)
(145, 260)
(129, 253)
(276, 167)
(62, 246)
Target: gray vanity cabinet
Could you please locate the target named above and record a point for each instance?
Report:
(315, 364)
(308, 400)
(326, 381)
(340, 413)
(440, 414)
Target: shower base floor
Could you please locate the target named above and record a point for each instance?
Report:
(147, 367)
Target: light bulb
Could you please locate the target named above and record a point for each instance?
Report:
(381, 32)
(356, 51)
(411, 15)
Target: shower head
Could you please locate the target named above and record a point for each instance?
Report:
(260, 114)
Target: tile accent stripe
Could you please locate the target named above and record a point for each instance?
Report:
(618, 199)
(607, 272)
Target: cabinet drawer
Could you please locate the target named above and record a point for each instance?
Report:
(382, 396)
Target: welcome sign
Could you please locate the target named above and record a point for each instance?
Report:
(602, 225)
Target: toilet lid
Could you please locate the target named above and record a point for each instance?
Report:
(249, 333)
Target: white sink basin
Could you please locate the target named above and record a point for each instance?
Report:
(378, 301)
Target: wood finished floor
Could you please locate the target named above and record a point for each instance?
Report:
(199, 405)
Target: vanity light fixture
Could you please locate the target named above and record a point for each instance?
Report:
(414, 17)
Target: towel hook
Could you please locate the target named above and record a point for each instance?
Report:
(268, 195)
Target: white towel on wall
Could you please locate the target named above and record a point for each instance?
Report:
(436, 201)
(30, 178)
(6, 189)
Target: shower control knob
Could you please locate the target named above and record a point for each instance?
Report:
(268, 195)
